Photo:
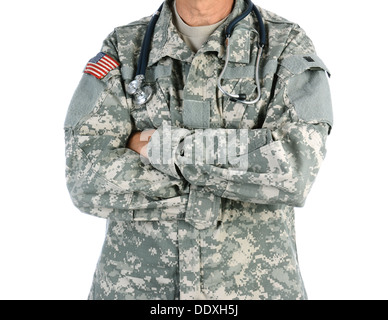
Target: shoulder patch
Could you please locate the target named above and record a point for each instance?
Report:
(101, 65)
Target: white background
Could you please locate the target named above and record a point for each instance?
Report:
(48, 250)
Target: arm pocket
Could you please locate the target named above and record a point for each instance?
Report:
(84, 99)
(307, 88)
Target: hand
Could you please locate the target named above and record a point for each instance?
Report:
(138, 141)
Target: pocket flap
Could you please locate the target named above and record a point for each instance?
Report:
(298, 64)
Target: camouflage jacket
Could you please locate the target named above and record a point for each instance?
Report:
(225, 160)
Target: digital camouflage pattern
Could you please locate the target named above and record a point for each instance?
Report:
(212, 215)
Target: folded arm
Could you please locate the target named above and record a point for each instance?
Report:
(104, 176)
(273, 165)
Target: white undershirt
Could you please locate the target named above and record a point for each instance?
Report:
(194, 37)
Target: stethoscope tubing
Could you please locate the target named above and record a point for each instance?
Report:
(142, 95)
(241, 97)
(145, 48)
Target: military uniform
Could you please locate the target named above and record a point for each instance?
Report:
(206, 224)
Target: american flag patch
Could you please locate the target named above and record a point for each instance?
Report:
(101, 65)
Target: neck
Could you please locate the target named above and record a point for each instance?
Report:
(197, 13)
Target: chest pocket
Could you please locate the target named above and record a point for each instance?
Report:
(240, 80)
(156, 111)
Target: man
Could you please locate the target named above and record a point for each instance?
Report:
(210, 214)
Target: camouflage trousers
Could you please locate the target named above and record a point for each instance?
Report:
(247, 257)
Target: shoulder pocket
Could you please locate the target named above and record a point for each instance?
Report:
(307, 87)
(84, 99)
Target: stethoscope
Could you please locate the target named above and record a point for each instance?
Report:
(142, 93)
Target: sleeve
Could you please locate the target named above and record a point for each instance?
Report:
(278, 163)
(104, 178)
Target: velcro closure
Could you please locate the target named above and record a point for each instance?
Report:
(298, 64)
(196, 114)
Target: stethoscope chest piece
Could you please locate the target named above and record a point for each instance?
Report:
(141, 93)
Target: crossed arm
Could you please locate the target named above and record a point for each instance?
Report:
(265, 166)
(107, 178)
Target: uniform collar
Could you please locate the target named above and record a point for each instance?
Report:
(166, 41)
